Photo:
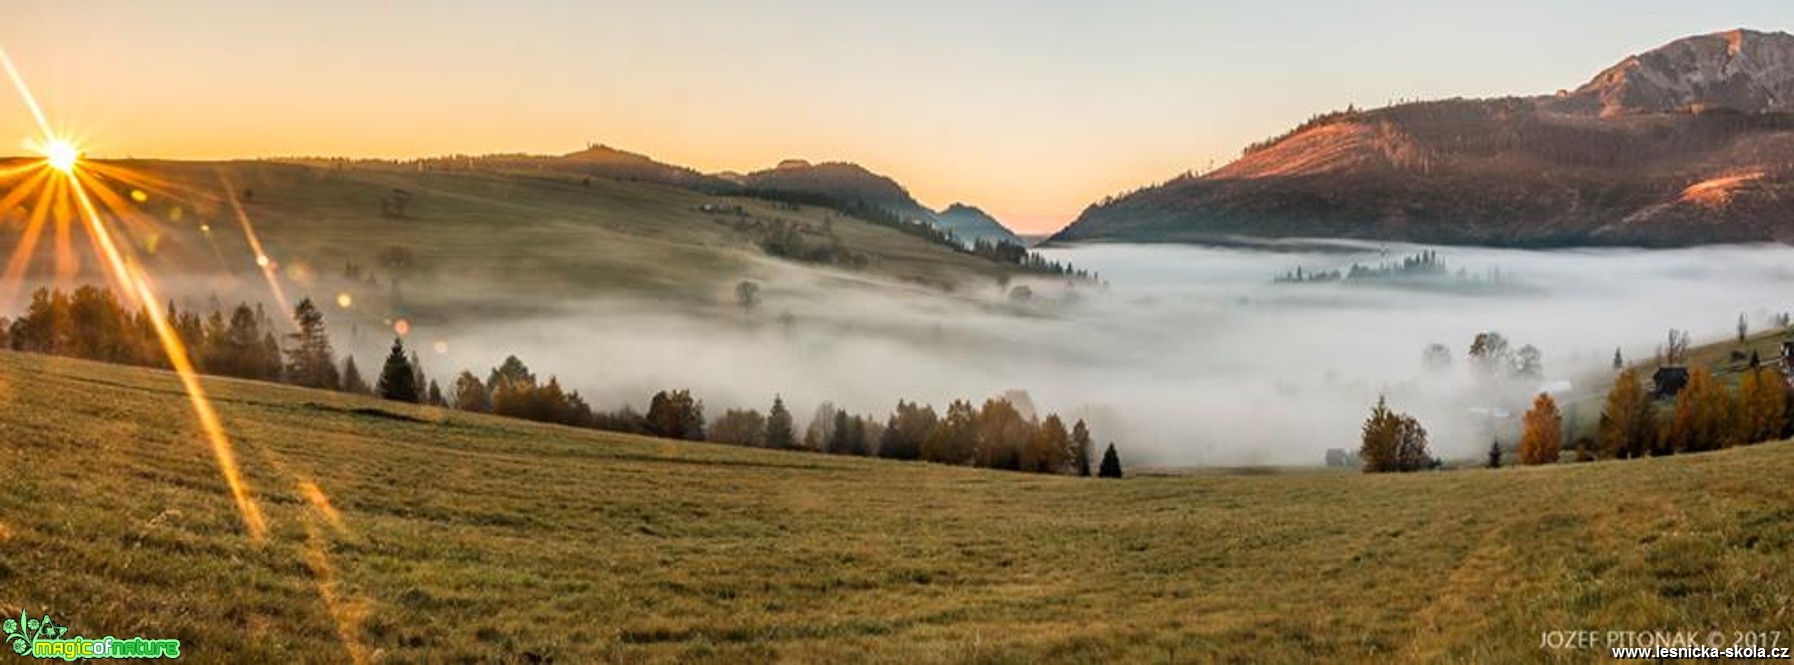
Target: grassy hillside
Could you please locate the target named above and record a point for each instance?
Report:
(490, 240)
(455, 537)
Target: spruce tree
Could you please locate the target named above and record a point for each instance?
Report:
(511, 370)
(269, 357)
(838, 441)
(418, 379)
(781, 433)
(352, 381)
(435, 393)
(1495, 454)
(1111, 466)
(397, 380)
(310, 362)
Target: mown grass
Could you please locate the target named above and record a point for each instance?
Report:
(451, 537)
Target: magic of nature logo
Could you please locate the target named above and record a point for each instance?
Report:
(42, 638)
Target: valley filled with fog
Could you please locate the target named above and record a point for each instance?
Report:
(1188, 355)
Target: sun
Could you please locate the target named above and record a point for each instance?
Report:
(61, 155)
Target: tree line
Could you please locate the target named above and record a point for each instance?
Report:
(1010, 253)
(91, 323)
(996, 435)
(1705, 415)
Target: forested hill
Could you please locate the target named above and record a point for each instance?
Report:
(1627, 159)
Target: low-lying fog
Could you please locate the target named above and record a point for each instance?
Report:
(1190, 356)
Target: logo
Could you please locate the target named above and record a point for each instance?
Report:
(42, 638)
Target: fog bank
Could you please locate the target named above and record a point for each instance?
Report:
(1190, 356)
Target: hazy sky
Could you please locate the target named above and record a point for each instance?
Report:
(1029, 109)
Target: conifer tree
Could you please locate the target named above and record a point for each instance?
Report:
(838, 440)
(270, 357)
(781, 433)
(310, 362)
(417, 377)
(512, 370)
(857, 443)
(397, 380)
(1111, 466)
(352, 381)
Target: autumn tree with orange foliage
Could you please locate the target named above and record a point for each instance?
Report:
(1762, 405)
(1629, 420)
(1543, 439)
(1703, 415)
(1393, 441)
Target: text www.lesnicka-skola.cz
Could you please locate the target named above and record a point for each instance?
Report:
(1701, 652)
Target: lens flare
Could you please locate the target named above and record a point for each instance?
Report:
(63, 198)
(262, 262)
(71, 195)
(61, 155)
(137, 287)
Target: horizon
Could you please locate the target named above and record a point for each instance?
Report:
(1065, 107)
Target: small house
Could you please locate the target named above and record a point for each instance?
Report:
(1668, 381)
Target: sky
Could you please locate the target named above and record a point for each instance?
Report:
(1030, 110)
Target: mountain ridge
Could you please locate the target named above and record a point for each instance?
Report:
(972, 224)
(1654, 151)
(856, 187)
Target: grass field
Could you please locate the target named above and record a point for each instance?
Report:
(448, 537)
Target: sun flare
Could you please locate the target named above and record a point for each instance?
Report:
(61, 155)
